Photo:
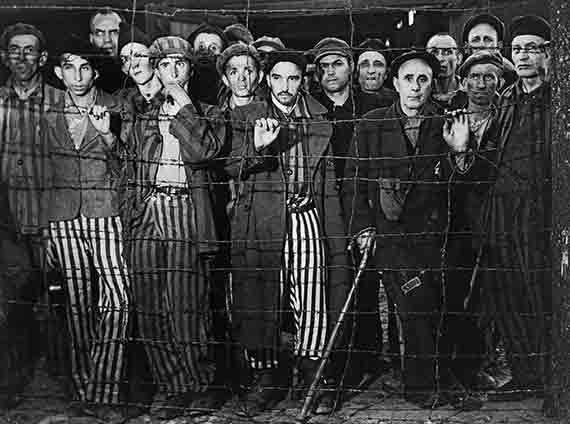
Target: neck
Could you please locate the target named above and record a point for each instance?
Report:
(446, 84)
(409, 112)
(478, 111)
(83, 101)
(240, 101)
(153, 85)
(27, 84)
(339, 97)
(531, 84)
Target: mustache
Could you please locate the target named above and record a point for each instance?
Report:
(284, 92)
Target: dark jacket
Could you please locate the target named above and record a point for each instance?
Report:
(83, 180)
(200, 138)
(259, 221)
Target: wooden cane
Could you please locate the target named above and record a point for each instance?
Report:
(334, 335)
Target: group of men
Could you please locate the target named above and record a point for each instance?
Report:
(211, 172)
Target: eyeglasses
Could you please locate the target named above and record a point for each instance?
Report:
(529, 48)
(27, 52)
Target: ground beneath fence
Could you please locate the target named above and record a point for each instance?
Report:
(44, 402)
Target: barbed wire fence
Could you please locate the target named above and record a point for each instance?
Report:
(554, 321)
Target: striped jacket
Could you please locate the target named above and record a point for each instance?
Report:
(23, 153)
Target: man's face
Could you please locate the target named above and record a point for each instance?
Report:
(105, 32)
(135, 62)
(529, 55)
(413, 83)
(174, 69)
(77, 74)
(481, 83)
(483, 37)
(206, 44)
(241, 76)
(285, 81)
(372, 69)
(335, 72)
(444, 48)
(23, 57)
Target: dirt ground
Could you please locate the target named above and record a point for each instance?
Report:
(44, 402)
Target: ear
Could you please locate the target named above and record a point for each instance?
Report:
(91, 37)
(261, 75)
(225, 80)
(459, 57)
(43, 58)
(96, 74)
(57, 71)
(396, 84)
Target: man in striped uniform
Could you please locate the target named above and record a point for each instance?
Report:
(171, 233)
(288, 222)
(23, 101)
(85, 229)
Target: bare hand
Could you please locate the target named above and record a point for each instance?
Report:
(178, 94)
(265, 132)
(456, 131)
(365, 240)
(101, 119)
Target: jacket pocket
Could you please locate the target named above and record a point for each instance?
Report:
(392, 194)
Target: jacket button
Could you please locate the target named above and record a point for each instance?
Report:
(289, 172)
(20, 162)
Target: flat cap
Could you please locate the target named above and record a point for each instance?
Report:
(79, 46)
(484, 18)
(131, 34)
(274, 42)
(21, 29)
(530, 25)
(277, 56)
(480, 57)
(237, 49)
(235, 33)
(331, 45)
(164, 46)
(206, 28)
(373, 45)
(428, 58)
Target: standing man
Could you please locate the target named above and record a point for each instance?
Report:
(520, 210)
(208, 42)
(104, 28)
(172, 233)
(85, 229)
(446, 84)
(287, 214)
(372, 68)
(400, 157)
(487, 32)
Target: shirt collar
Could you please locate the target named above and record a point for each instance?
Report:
(35, 91)
(285, 109)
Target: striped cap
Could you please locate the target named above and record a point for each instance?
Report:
(164, 46)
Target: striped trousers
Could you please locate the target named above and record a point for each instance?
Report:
(88, 252)
(171, 294)
(303, 288)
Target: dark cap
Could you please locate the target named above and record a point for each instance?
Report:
(372, 45)
(21, 29)
(479, 57)
(428, 58)
(235, 33)
(331, 45)
(131, 34)
(237, 49)
(484, 18)
(273, 42)
(206, 28)
(76, 45)
(277, 56)
(530, 25)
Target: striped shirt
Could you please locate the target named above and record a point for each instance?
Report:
(23, 153)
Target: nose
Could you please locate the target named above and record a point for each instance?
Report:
(107, 38)
(416, 86)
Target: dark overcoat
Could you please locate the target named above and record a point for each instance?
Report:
(259, 222)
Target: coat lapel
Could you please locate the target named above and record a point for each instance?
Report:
(319, 133)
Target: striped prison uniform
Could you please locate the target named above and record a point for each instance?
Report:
(89, 253)
(171, 293)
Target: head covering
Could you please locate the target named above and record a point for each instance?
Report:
(21, 29)
(373, 45)
(235, 33)
(484, 18)
(428, 58)
(131, 34)
(479, 57)
(237, 49)
(530, 25)
(266, 40)
(76, 45)
(206, 28)
(277, 56)
(331, 45)
(164, 46)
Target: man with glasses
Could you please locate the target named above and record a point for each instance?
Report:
(446, 84)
